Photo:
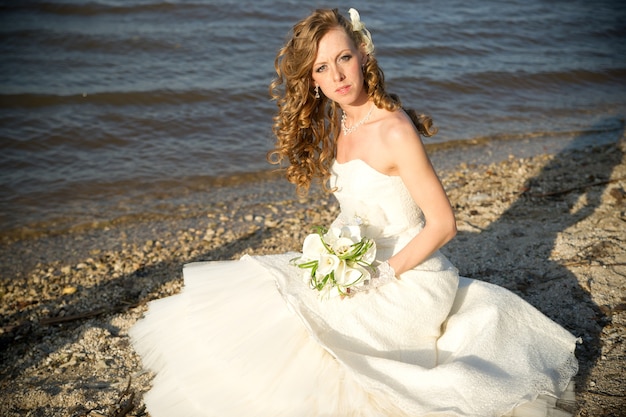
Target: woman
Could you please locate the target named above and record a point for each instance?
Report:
(251, 337)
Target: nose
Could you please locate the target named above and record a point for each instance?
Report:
(338, 74)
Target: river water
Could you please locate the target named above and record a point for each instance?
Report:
(114, 109)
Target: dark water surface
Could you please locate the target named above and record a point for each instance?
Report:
(130, 108)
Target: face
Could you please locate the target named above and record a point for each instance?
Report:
(337, 68)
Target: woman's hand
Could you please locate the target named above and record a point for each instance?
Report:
(381, 275)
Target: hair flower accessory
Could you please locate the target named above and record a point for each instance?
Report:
(359, 26)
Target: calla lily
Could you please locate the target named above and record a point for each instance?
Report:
(313, 247)
(327, 264)
(343, 247)
(346, 276)
(363, 275)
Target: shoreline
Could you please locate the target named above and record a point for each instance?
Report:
(549, 227)
(161, 201)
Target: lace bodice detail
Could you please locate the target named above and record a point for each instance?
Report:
(380, 203)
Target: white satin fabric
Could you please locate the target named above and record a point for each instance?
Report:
(249, 338)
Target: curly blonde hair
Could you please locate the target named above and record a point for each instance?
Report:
(305, 126)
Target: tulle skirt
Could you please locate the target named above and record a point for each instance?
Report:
(249, 338)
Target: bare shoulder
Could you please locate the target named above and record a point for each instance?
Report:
(399, 136)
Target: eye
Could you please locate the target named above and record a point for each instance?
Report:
(345, 57)
(320, 68)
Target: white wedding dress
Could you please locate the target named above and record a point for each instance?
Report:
(249, 338)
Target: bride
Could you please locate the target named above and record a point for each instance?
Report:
(253, 338)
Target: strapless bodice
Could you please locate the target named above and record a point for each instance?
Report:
(380, 203)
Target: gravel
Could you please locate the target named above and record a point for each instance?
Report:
(549, 227)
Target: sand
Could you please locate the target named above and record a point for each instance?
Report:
(551, 228)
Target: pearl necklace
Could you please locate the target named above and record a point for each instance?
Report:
(348, 130)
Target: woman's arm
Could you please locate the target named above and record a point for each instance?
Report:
(408, 159)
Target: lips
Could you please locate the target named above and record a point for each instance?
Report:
(343, 90)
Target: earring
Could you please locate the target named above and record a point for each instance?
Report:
(317, 91)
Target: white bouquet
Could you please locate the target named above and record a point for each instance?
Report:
(336, 260)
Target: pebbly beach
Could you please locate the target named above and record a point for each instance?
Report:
(134, 135)
(551, 227)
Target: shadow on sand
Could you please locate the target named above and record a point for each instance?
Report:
(517, 250)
